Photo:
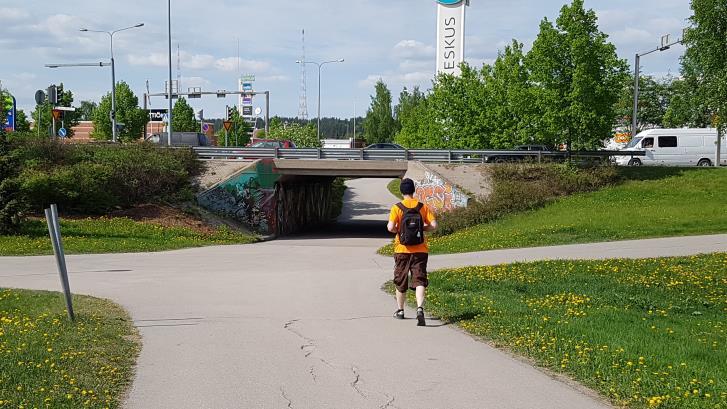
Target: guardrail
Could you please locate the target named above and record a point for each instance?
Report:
(431, 156)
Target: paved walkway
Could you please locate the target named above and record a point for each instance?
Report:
(302, 323)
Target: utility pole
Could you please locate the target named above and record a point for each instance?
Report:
(169, 116)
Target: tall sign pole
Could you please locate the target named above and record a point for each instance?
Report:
(450, 35)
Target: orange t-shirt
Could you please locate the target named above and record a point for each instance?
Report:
(396, 215)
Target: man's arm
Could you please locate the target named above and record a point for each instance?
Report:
(392, 227)
(431, 226)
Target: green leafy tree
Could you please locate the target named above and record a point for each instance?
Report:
(241, 130)
(654, 100)
(512, 117)
(21, 121)
(459, 107)
(686, 105)
(85, 110)
(127, 113)
(579, 78)
(69, 119)
(183, 117)
(705, 61)
(303, 136)
(11, 200)
(379, 124)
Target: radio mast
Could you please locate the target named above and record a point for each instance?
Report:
(303, 99)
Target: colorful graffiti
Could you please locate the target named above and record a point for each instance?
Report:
(249, 197)
(438, 194)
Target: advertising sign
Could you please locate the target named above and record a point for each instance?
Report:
(157, 115)
(247, 111)
(247, 86)
(9, 105)
(450, 35)
(247, 100)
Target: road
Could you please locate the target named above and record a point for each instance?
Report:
(298, 323)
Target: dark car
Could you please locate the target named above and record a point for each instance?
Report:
(386, 146)
(519, 158)
(271, 144)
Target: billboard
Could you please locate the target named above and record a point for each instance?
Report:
(450, 35)
(9, 105)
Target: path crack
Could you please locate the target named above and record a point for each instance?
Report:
(389, 403)
(282, 393)
(308, 346)
(356, 381)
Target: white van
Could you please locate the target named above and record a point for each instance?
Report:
(675, 147)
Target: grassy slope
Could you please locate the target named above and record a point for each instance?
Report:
(47, 361)
(655, 203)
(119, 235)
(645, 333)
(393, 187)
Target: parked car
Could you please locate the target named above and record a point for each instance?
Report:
(180, 139)
(385, 146)
(271, 144)
(518, 158)
(674, 147)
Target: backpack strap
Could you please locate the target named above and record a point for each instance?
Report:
(401, 206)
(419, 207)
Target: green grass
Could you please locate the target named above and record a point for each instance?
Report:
(118, 235)
(654, 203)
(49, 362)
(393, 187)
(644, 333)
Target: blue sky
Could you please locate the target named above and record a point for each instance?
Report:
(393, 40)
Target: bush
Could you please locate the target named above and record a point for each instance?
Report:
(522, 187)
(12, 204)
(93, 179)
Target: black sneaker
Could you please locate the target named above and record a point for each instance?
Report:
(420, 317)
(399, 314)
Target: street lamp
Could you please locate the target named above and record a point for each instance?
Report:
(113, 74)
(665, 45)
(319, 65)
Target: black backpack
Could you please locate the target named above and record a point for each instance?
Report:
(411, 228)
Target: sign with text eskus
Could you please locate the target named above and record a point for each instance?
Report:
(450, 35)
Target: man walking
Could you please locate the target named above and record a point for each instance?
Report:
(409, 219)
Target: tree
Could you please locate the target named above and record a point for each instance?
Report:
(11, 200)
(579, 78)
(303, 136)
(21, 121)
(686, 106)
(512, 116)
(239, 134)
(69, 119)
(654, 100)
(85, 110)
(705, 61)
(379, 124)
(127, 113)
(183, 117)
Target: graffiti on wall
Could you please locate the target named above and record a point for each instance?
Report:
(249, 198)
(438, 194)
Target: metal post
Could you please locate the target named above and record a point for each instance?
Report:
(51, 216)
(169, 19)
(719, 146)
(319, 101)
(227, 138)
(114, 137)
(146, 127)
(267, 114)
(53, 134)
(637, 74)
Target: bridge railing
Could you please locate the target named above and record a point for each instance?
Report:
(422, 155)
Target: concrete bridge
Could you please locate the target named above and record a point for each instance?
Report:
(277, 197)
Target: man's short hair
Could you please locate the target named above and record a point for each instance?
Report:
(407, 187)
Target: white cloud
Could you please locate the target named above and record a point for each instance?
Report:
(194, 82)
(231, 63)
(154, 60)
(190, 61)
(412, 49)
(9, 14)
(275, 78)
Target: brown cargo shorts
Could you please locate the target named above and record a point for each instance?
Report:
(415, 263)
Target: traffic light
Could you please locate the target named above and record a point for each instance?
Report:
(53, 95)
(59, 92)
(231, 111)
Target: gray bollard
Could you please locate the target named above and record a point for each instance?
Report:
(54, 230)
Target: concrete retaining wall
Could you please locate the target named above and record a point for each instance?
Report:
(269, 203)
(437, 192)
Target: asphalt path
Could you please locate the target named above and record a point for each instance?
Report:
(303, 323)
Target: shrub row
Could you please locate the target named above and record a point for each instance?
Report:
(93, 179)
(522, 187)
